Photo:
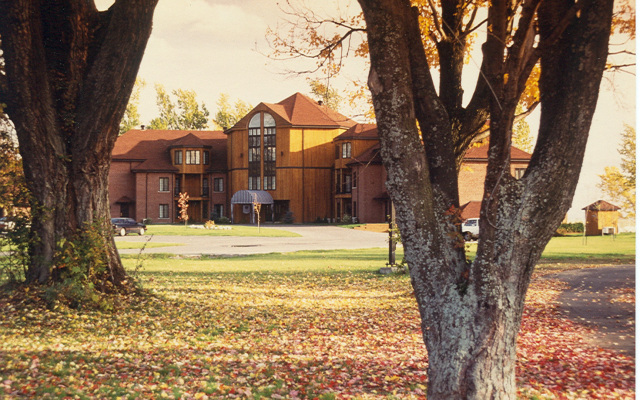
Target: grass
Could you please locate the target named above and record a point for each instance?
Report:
(592, 249)
(303, 325)
(236, 230)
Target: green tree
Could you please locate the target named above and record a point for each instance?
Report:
(328, 95)
(619, 185)
(131, 117)
(68, 74)
(522, 138)
(227, 116)
(182, 114)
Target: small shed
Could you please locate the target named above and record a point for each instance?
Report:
(601, 218)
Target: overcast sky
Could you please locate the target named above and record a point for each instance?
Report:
(219, 46)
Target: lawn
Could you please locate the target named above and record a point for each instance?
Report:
(310, 325)
(139, 245)
(236, 230)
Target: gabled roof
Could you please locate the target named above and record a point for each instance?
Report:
(360, 132)
(482, 153)
(471, 210)
(189, 140)
(601, 205)
(299, 110)
(151, 148)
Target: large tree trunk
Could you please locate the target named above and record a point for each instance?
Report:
(471, 312)
(69, 73)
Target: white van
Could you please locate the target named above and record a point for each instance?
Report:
(471, 229)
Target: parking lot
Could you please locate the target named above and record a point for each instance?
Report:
(312, 238)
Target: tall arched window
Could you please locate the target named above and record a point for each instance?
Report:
(255, 144)
(262, 135)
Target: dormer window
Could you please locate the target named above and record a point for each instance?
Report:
(192, 157)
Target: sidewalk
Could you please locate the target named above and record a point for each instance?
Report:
(596, 299)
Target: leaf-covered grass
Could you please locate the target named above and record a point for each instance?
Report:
(236, 230)
(310, 325)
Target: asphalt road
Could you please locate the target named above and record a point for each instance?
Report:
(593, 301)
(312, 238)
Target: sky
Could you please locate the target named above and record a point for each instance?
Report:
(219, 46)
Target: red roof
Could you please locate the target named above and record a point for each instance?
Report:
(360, 131)
(482, 153)
(151, 147)
(471, 210)
(299, 110)
(601, 205)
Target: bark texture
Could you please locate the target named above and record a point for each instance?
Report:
(69, 70)
(471, 312)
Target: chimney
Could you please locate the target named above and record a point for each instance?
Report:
(142, 127)
(319, 102)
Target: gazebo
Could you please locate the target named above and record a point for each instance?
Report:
(247, 197)
(601, 218)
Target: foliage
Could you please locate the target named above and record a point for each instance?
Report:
(301, 326)
(209, 224)
(182, 114)
(522, 133)
(619, 185)
(131, 118)
(226, 117)
(14, 250)
(328, 95)
(79, 270)
(183, 206)
(288, 217)
(13, 187)
(575, 227)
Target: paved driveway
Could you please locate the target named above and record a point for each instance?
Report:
(312, 238)
(593, 300)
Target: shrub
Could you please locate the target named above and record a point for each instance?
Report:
(209, 224)
(222, 220)
(288, 218)
(575, 227)
(147, 221)
(346, 219)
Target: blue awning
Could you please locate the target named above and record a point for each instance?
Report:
(248, 197)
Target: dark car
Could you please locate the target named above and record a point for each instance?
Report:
(122, 226)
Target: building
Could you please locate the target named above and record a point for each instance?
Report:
(601, 218)
(286, 149)
(298, 158)
(149, 168)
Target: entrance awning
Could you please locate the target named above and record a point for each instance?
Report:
(248, 197)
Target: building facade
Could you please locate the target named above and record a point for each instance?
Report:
(304, 161)
(150, 168)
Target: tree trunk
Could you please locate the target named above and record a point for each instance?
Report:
(471, 312)
(69, 74)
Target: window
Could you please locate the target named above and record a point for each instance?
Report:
(205, 157)
(262, 152)
(192, 157)
(346, 150)
(178, 157)
(178, 187)
(218, 184)
(218, 210)
(255, 144)
(347, 183)
(520, 172)
(205, 188)
(354, 180)
(164, 211)
(163, 185)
